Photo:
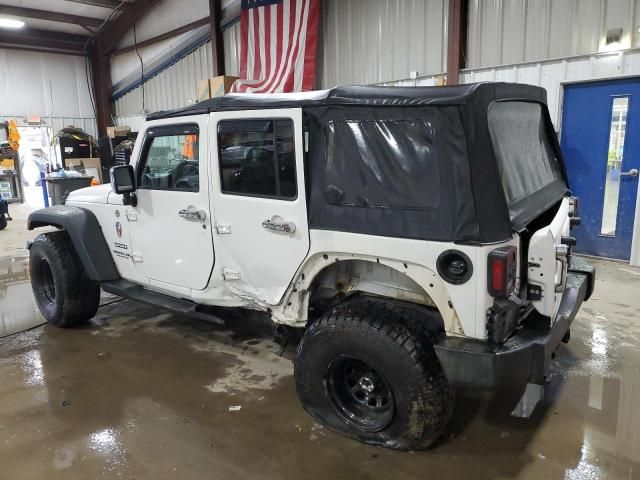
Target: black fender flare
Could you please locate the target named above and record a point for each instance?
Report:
(86, 235)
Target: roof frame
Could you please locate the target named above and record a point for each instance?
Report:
(50, 16)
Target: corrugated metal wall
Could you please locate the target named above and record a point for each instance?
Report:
(407, 35)
(544, 42)
(372, 41)
(550, 74)
(50, 85)
(232, 49)
(173, 88)
(511, 31)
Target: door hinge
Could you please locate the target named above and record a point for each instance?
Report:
(132, 216)
(223, 228)
(534, 292)
(229, 274)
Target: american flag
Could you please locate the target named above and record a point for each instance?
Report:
(277, 45)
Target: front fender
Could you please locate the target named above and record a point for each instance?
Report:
(86, 235)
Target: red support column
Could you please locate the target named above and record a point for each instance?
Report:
(217, 46)
(457, 39)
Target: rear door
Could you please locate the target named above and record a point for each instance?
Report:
(259, 200)
(601, 149)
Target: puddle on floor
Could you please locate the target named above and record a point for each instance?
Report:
(18, 310)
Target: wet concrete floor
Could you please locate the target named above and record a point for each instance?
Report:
(142, 394)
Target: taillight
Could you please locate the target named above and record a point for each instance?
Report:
(502, 271)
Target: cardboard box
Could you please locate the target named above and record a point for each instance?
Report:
(215, 87)
(113, 132)
(92, 166)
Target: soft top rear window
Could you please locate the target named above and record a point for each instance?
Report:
(526, 157)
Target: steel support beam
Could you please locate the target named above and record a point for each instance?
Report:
(457, 39)
(113, 31)
(101, 77)
(106, 42)
(217, 46)
(164, 36)
(100, 3)
(50, 16)
(43, 40)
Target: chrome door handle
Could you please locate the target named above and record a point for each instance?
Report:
(631, 173)
(286, 228)
(192, 214)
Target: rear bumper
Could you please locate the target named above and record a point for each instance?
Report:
(525, 357)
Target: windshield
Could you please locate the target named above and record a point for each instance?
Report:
(526, 158)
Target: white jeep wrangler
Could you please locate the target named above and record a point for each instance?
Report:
(419, 236)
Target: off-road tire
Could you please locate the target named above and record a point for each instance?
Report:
(64, 293)
(374, 333)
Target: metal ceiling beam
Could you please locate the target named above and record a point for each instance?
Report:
(106, 42)
(50, 16)
(32, 44)
(101, 3)
(113, 31)
(164, 36)
(457, 39)
(44, 40)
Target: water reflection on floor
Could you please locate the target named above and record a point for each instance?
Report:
(18, 310)
(144, 394)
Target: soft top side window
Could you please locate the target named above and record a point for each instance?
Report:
(257, 158)
(170, 159)
(382, 164)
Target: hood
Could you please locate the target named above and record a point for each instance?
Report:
(97, 194)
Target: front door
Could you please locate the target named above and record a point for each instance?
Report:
(601, 149)
(259, 201)
(170, 228)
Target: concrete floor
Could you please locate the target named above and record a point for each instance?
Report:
(143, 394)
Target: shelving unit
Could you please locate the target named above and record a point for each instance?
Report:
(10, 179)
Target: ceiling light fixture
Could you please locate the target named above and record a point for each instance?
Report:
(11, 23)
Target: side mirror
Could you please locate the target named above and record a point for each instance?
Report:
(123, 182)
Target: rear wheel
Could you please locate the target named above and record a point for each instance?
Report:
(64, 294)
(363, 373)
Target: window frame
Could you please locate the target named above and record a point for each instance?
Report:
(171, 130)
(275, 158)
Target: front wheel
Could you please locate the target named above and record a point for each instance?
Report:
(64, 294)
(365, 374)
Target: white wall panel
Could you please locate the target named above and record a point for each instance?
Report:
(510, 31)
(46, 84)
(232, 49)
(372, 41)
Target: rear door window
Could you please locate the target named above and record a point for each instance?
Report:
(257, 158)
(526, 156)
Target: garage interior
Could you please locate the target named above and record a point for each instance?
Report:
(141, 393)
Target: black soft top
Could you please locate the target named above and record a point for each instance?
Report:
(363, 95)
(380, 184)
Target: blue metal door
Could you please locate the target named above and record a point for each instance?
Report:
(601, 148)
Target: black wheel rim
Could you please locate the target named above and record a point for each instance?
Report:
(48, 284)
(361, 395)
